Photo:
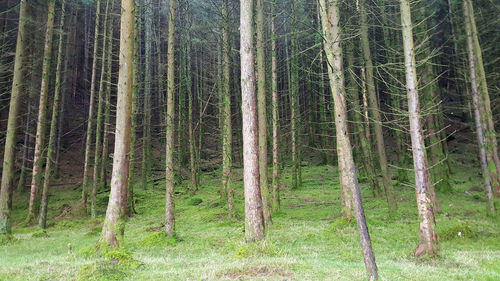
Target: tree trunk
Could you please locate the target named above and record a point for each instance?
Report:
(375, 112)
(100, 104)
(261, 108)
(15, 98)
(42, 112)
(427, 231)
(488, 173)
(275, 108)
(146, 127)
(114, 224)
(490, 139)
(42, 222)
(333, 50)
(254, 220)
(169, 170)
(86, 164)
(227, 132)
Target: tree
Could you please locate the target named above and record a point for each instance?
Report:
(42, 222)
(16, 96)
(86, 164)
(227, 132)
(487, 171)
(275, 109)
(114, 224)
(42, 112)
(427, 230)
(169, 165)
(333, 50)
(254, 220)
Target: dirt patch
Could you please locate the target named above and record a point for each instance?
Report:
(256, 272)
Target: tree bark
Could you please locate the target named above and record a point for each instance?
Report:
(275, 109)
(42, 112)
(16, 96)
(427, 230)
(42, 222)
(488, 173)
(333, 50)
(146, 130)
(261, 111)
(86, 164)
(114, 224)
(169, 168)
(254, 220)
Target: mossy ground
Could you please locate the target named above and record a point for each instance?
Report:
(307, 240)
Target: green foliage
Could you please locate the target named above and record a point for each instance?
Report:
(339, 224)
(195, 201)
(457, 230)
(40, 234)
(242, 250)
(7, 239)
(101, 270)
(159, 239)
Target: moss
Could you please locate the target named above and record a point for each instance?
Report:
(40, 234)
(242, 250)
(159, 239)
(194, 201)
(340, 223)
(101, 270)
(458, 230)
(88, 252)
(7, 239)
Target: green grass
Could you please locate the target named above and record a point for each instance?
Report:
(307, 241)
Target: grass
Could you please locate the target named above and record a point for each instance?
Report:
(307, 241)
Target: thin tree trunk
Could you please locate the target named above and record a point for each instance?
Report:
(99, 120)
(490, 139)
(169, 168)
(86, 164)
(261, 108)
(42, 112)
(254, 220)
(333, 50)
(15, 98)
(275, 108)
(375, 112)
(114, 224)
(294, 108)
(192, 143)
(488, 173)
(227, 132)
(427, 230)
(146, 128)
(42, 222)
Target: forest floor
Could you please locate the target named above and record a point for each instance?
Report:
(307, 240)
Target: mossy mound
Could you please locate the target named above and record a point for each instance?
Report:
(339, 224)
(40, 234)
(194, 201)
(458, 230)
(101, 270)
(159, 239)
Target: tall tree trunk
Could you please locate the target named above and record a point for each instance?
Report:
(42, 112)
(294, 96)
(490, 139)
(427, 231)
(375, 112)
(169, 168)
(107, 108)
(114, 224)
(254, 220)
(275, 108)
(86, 164)
(333, 50)
(192, 143)
(261, 108)
(487, 171)
(42, 222)
(146, 127)
(227, 132)
(100, 104)
(16, 96)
